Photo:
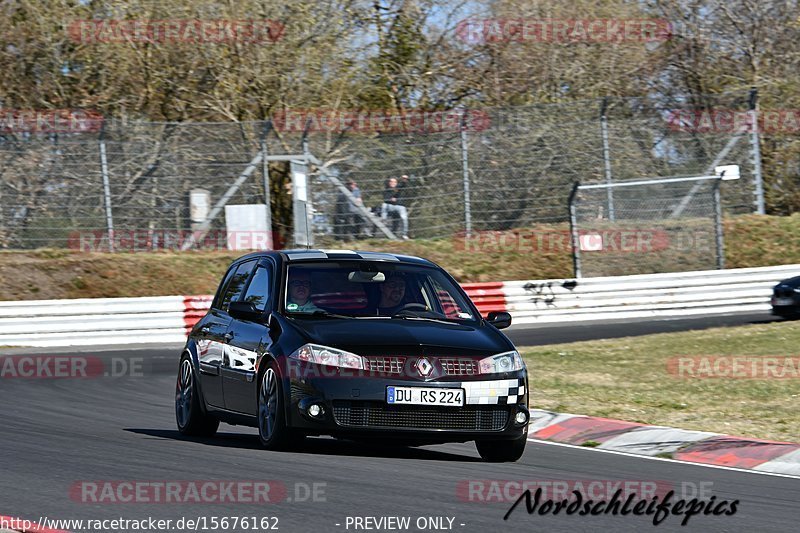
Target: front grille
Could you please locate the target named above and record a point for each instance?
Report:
(459, 367)
(451, 366)
(378, 415)
(385, 365)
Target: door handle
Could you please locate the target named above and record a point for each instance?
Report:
(228, 336)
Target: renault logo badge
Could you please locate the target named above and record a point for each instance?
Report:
(424, 367)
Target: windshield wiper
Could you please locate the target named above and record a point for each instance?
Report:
(423, 315)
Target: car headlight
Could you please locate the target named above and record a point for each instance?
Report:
(504, 362)
(325, 355)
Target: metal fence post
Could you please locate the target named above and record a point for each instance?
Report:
(573, 230)
(301, 195)
(106, 189)
(607, 158)
(718, 226)
(465, 175)
(265, 175)
(755, 143)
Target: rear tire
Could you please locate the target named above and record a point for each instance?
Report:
(502, 451)
(189, 415)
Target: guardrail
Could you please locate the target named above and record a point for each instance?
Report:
(90, 321)
(167, 319)
(646, 295)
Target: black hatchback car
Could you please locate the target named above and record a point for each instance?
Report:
(357, 345)
(786, 298)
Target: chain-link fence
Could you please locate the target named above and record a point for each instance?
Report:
(513, 169)
(666, 225)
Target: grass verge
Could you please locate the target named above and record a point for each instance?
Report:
(628, 379)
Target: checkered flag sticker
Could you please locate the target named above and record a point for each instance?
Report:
(495, 392)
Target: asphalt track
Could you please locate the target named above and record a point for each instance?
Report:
(59, 432)
(536, 335)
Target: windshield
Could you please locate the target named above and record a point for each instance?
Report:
(373, 289)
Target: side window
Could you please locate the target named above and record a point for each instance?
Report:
(258, 290)
(236, 285)
(449, 304)
(217, 303)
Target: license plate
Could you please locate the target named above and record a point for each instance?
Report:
(784, 301)
(423, 396)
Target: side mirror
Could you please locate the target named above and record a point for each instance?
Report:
(274, 327)
(499, 319)
(244, 311)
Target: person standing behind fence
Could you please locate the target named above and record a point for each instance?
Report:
(394, 202)
(348, 213)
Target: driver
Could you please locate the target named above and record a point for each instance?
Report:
(299, 299)
(393, 291)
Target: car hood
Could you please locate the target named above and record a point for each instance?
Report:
(403, 337)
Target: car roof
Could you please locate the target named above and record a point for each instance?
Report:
(303, 254)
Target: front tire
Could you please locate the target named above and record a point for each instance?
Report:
(191, 419)
(273, 432)
(502, 451)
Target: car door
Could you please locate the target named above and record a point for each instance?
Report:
(214, 333)
(248, 338)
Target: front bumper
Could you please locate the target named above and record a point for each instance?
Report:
(785, 304)
(356, 406)
(786, 310)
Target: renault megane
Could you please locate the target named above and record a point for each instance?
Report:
(357, 345)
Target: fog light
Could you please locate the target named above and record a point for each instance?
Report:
(315, 410)
(521, 418)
